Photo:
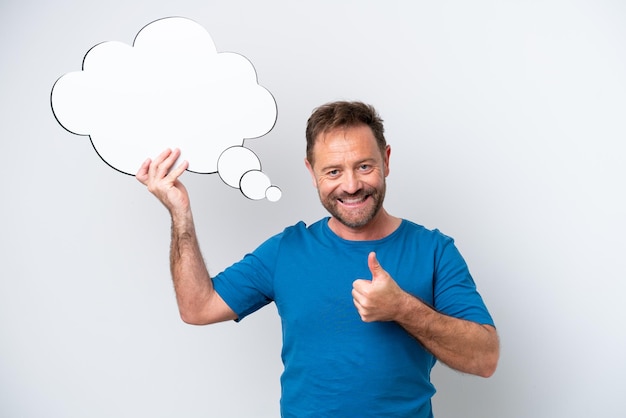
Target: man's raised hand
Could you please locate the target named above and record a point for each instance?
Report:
(377, 299)
(162, 180)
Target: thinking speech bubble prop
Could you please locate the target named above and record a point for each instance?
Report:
(171, 89)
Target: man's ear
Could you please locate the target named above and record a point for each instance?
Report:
(310, 168)
(386, 159)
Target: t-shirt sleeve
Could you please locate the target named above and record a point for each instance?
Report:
(247, 285)
(455, 292)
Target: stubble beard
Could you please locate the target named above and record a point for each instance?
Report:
(359, 218)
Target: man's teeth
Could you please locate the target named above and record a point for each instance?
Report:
(352, 200)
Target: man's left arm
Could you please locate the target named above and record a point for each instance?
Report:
(465, 346)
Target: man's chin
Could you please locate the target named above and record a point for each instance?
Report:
(353, 216)
(353, 220)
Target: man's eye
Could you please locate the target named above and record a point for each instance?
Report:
(364, 167)
(333, 173)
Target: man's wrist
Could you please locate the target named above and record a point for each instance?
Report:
(410, 309)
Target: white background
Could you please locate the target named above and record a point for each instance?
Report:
(506, 121)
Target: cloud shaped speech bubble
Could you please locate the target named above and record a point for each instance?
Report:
(171, 89)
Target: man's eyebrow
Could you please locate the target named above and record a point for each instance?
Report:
(329, 167)
(367, 160)
(338, 165)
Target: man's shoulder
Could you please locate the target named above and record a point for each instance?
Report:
(422, 237)
(301, 227)
(299, 230)
(411, 227)
(293, 238)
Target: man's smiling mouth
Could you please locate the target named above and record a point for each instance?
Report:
(353, 201)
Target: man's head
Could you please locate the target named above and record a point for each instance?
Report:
(342, 114)
(348, 159)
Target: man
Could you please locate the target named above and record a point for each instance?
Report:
(367, 301)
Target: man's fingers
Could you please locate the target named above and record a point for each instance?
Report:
(142, 173)
(166, 165)
(178, 171)
(159, 163)
(360, 285)
(163, 156)
(161, 167)
(171, 159)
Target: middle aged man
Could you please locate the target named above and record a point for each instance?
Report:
(368, 301)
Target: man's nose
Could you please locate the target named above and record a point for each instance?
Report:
(351, 182)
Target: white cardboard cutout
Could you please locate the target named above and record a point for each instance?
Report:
(171, 89)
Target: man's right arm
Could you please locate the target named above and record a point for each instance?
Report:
(198, 303)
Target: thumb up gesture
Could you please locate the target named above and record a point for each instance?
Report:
(378, 299)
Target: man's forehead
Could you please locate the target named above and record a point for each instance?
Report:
(360, 135)
(342, 131)
(346, 143)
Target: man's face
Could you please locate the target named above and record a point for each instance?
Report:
(349, 173)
